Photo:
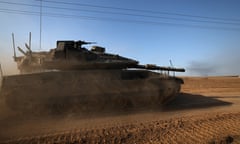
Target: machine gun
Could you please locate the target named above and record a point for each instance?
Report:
(72, 44)
(80, 43)
(84, 42)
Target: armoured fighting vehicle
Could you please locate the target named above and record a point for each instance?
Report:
(71, 78)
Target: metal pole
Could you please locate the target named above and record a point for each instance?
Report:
(30, 37)
(30, 51)
(14, 50)
(172, 67)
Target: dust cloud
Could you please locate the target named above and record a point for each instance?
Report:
(201, 68)
(225, 62)
(9, 67)
(213, 115)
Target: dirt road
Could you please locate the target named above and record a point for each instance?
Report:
(207, 111)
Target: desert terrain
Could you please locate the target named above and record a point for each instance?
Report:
(206, 111)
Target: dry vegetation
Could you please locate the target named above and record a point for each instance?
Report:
(207, 111)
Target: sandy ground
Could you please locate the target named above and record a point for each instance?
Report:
(207, 111)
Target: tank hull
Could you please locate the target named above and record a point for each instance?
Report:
(87, 91)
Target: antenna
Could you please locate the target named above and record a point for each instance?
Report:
(22, 51)
(172, 67)
(171, 63)
(14, 50)
(30, 38)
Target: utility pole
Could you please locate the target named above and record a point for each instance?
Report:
(40, 39)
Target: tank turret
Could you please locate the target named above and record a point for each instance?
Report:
(71, 55)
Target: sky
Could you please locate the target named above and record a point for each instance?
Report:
(201, 36)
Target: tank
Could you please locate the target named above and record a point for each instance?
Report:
(72, 78)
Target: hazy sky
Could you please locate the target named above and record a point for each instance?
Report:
(202, 36)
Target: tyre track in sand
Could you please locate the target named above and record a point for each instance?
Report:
(218, 128)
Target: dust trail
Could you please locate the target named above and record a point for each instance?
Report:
(201, 68)
(225, 62)
(9, 67)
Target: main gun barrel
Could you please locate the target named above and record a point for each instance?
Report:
(154, 67)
